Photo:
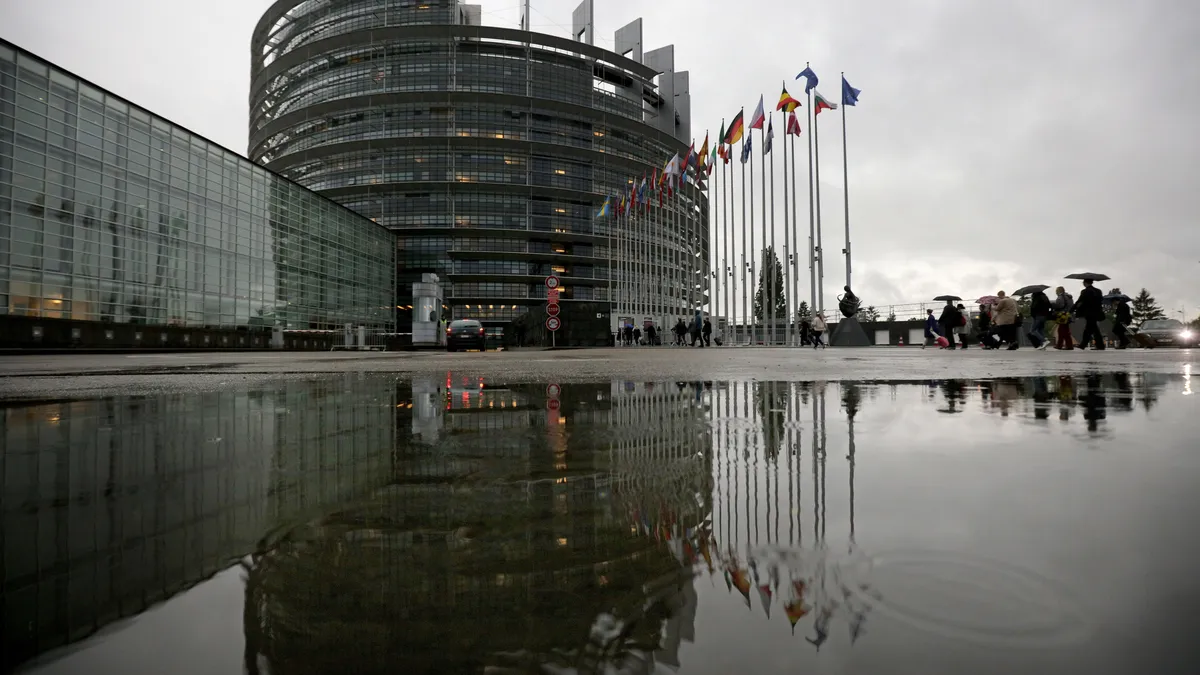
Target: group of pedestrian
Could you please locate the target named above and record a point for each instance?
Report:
(954, 322)
(698, 330)
(1000, 321)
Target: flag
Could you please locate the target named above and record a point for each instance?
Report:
(810, 79)
(821, 103)
(756, 122)
(849, 94)
(703, 155)
(786, 102)
(793, 125)
(770, 135)
(605, 208)
(735, 130)
(746, 148)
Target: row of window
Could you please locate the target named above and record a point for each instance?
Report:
(318, 21)
(569, 83)
(435, 121)
(441, 245)
(125, 233)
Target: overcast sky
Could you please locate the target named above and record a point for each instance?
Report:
(995, 144)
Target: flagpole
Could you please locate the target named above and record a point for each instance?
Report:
(817, 190)
(742, 253)
(795, 248)
(774, 253)
(730, 280)
(812, 251)
(845, 181)
(764, 283)
(789, 297)
(751, 320)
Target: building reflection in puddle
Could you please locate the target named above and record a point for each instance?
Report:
(453, 524)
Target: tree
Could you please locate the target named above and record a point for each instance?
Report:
(803, 312)
(1145, 308)
(892, 315)
(761, 308)
(868, 314)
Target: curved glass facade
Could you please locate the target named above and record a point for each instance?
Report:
(487, 150)
(110, 214)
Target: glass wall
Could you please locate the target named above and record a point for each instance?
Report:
(108, 213)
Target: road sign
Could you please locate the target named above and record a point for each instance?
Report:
(553, 324)
(553, 309)
(553, 404)
(553, 391)
(552, 295)
(552, 282)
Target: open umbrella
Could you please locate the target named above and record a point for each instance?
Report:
(947, 298)
(1027, 290)
(987, 300)
(1088, 276)
(1112, 297)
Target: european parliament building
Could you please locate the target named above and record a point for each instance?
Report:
(121, 229)
(487, 151)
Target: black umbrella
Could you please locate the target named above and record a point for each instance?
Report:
(1088, 276)
(947, 298)
(1111, 297)
(1027, 290)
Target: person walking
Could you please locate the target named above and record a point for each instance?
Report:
(1090, 308)
(1039, 314)
(706, 332)
(651, 335)
(964, 328)
(637, 337)
(985, 326)
(1124, 317)
(805, 333)
(1063, 306)
(931, 329)
(818, 328)
(628, 334)
(950, 321)
(680, 330)
(1005, 322)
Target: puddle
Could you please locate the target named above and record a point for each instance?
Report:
(362, 523)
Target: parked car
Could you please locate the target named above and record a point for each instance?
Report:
(1169, 333)
(465, 334)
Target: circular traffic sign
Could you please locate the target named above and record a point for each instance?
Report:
(553, 309)
(553, 391)
(552, 281)
(553, 323)
(553, 404)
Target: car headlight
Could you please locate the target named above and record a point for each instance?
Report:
(1185, 334)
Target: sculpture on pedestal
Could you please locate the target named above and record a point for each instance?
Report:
(849, 303)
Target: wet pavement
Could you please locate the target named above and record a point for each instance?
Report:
(460, 522)
(55, 376)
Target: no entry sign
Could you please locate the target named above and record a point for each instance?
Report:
(553, 324)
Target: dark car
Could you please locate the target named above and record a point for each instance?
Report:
(465, 334)
(1168, 333)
